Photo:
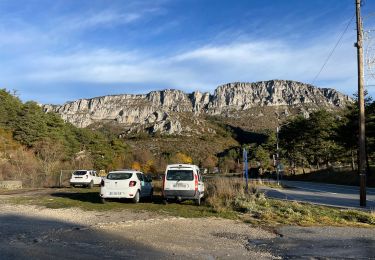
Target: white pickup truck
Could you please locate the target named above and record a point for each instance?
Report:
(85, 178)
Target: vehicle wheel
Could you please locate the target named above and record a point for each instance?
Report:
(103, 200)
(198, 201)
(136, 197)
(91, 185)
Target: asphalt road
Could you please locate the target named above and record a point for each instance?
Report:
(320, 243)
(321, 193)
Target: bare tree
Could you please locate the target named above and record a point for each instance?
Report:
(82, 160)
(210, 162)
(49, 153)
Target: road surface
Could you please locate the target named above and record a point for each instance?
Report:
(320, 243)
(322, 193)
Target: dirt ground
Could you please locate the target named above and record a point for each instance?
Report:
(41, 233)
(34, 232)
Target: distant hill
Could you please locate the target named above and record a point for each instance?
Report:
(251, 106)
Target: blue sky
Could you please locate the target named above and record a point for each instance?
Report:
(61, 50)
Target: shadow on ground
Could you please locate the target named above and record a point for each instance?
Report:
(346, 177)
(93, 197)
(34, 238)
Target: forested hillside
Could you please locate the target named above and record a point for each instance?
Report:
(326, 143)
(35, 145)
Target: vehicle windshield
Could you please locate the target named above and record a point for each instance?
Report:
(79, 172)
(180, 175)
(119, 175)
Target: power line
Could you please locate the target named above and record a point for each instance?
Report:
(333, 50)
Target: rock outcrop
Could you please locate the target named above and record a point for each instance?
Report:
(154, 110)
(241, 96)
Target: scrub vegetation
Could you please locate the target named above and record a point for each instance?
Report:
(228, 194)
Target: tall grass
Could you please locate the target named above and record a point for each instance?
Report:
(230, 193)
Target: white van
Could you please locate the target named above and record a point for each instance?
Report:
(183, 182)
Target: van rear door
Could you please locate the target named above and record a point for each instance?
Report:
(180, 179)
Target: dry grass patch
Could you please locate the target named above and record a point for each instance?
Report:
(228, 194)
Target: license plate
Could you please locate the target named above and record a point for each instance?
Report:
(179, 185)
(115, 193)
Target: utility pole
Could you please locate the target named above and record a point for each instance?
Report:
(361, 103)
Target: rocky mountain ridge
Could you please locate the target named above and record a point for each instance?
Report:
(160, 111)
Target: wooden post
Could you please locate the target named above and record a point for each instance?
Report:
(361, 104)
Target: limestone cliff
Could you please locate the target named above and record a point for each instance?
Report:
(159, 111)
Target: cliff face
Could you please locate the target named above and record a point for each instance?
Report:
(241, 96)
(159, 110)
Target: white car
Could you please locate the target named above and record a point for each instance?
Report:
(126, 184)
(183, 182)
(86, 178)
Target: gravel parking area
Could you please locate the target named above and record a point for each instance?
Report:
(40, 233)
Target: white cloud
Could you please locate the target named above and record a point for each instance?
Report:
(106, 18)
(66, 29)
(204, 67)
